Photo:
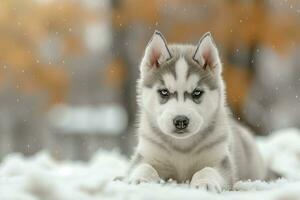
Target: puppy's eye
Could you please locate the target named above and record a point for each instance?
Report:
(197, 93)
(164, 93)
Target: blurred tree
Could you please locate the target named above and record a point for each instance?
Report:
(39, 43)
(27, 29)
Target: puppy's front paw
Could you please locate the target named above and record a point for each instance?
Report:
(209, 179)
(144, 173)
(205, 184)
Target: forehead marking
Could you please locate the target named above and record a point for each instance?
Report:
(181, 68)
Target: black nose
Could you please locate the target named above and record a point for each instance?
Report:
(181, 122)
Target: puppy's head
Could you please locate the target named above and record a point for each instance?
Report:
(180, 86)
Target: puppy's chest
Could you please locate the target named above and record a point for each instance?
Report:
(181, 166)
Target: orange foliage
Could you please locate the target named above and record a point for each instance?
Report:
(24, 26)
(135, 11)
(115, 73)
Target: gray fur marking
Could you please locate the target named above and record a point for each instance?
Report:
(206, 76)
(189, 96)
(155, 75)
(225, 164)
(165, 100)
(212, 144)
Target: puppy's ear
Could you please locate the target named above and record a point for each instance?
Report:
(206, 54)
(156, 52)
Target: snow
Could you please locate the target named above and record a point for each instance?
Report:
(42, 177)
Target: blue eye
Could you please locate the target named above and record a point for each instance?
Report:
(197, 93)
(164, 93)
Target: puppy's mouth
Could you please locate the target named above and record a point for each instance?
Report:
(181, 132)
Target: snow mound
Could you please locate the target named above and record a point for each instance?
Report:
(42, 177)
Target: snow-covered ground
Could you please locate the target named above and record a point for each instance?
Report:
(41, 177)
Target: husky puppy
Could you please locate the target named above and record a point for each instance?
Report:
(185, 130)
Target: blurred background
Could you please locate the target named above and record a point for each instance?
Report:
(68, 68)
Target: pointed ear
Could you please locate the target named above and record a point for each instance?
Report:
(156, 52)
(206, 54)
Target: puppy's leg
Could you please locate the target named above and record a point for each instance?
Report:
(210, 179)
(143, 172)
